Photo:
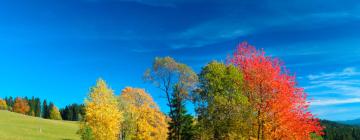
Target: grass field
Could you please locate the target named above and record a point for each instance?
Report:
(14, 126)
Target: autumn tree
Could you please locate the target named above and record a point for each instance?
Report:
(102, 115)
(142, 118)
(21, 106)
(281, 109)
(222, 107)
(3, 105)
(54, 113)
(166, 73)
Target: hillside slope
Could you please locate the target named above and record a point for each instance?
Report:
(338, 131)
(14, 126)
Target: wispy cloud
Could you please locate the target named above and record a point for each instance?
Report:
(350, 71)
(343, 84)
(335, 101)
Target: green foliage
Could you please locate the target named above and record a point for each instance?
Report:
(181, 127)
(176, 80)
(45, 110)
(73, 112)
(220, 102)
(85, 132)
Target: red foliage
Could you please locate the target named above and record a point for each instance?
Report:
(281, 107)
(21, 106)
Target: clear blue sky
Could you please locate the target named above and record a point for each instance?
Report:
(56, 49)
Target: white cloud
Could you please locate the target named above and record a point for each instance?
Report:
(334, 101)
(350, 71)
(342, 84)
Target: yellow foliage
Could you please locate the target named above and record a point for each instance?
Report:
(3, 105)
(55, 113)
(102, 113)
(143, 119)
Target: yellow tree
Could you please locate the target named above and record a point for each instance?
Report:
(3, 105)
(143, 119)
(55, 114)
(101, 112)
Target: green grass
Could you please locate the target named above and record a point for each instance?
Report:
(14, 126)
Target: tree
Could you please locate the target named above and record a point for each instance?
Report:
(21, 106)
(101, 112)
(73, 112)
(142, 117)
(3, 105)
(85, 132)
(9, 102)
(221, 105)
(281, 109)
(45, 110)
(37, 107)
(31, 103)
(166, 73)
(54, 113)
(182, 125)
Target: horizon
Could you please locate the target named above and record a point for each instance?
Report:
(56, 50)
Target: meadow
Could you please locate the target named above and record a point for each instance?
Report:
(14, 126)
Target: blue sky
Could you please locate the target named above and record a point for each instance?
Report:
(56, 49)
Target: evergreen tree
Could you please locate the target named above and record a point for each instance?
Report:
(169, 76)
(45, 109)
(10, 102)
(181, 127)
(73, 112)
(31, 103)
(37, 107)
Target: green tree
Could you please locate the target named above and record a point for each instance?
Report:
(73, 112)
(182, 124)
(166, 73)
(45, 110)
(85, 132)
(37, 107)
(10, 102)
(221, 105)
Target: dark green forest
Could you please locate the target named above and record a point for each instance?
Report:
(339, 131)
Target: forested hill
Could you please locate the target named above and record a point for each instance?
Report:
(338, 131)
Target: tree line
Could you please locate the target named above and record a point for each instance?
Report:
(251, 96)
(338, 131)
(34, 106)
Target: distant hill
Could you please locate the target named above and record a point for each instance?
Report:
(14, 126)
(351, 122)
(339, 131)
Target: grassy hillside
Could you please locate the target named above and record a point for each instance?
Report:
(15, 126)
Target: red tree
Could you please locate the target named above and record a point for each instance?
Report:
(21, 106)
(281, 108)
